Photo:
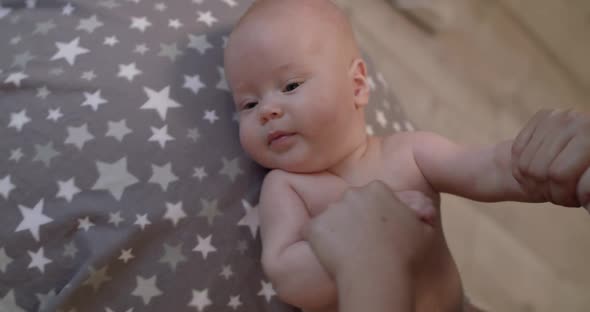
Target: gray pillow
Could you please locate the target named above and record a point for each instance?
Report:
(123, 186)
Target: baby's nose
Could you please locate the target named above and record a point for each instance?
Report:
(271, 112)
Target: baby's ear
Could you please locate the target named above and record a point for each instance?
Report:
(358, 73)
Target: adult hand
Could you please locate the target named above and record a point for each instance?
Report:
(369, 242)
(551, 157)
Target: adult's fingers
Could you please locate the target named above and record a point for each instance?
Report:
(567, 169)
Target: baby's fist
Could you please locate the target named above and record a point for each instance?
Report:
(551, 155)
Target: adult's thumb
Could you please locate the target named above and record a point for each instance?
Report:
(583, 190)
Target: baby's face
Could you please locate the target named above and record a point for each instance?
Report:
(293, 94)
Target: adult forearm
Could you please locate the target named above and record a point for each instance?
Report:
(389, 291)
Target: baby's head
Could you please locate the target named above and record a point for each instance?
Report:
(299, 84)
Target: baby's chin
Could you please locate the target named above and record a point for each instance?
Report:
(293, 166)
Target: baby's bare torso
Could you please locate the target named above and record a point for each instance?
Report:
(390, 160)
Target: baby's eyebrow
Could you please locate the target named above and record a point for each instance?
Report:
(284, 67)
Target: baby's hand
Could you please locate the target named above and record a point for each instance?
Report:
(551, 158)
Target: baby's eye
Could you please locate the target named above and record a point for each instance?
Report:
(249, 105)
(292, 86)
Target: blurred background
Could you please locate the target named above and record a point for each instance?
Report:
(476, 71)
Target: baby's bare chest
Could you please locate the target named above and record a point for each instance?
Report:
(318, 191)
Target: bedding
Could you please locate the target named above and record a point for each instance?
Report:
(123, 186)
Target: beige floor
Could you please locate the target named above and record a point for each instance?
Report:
(476, 71)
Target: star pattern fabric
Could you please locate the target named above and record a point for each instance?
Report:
(123, 186)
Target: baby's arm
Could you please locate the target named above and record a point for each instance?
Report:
(478, 173)
(287, 259)
(548, 161)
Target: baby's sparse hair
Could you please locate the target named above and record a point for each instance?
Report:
(327, 14)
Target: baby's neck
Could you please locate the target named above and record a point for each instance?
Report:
(348, 167)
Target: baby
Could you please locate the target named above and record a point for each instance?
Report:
(300, 87)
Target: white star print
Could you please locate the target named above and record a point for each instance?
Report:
(170, 50)
(231, 3)
(226, 272)
(69, 51)
(18, 120)
(207, 18)
(140, 23)
(199, 43)
(175, 23)
(23, 59)
(193, 134)
(8, 303)
(16, 78)
(54, 114)
(142, 221)
(44, 28)
(89, 75)
(381, 118)
(68, 9)
(31, 4)
(200, 299)
(70, 250)
(78, 136)
(97, 277)
(115, 218)
(251, 219)
(4, 12)
(234, 302)
(43, 92)
(89, 24)
(67, 189)
(33, 219)
(128, 71)
(211, 116)
(160, 101)
(44, 299)
(114, 177)
(6, 187)
(193, 83)
(161, 136)
(267, 291)
(204, 246)
(222, 84)
(371, 83)
(5, 260)
(200, 173)
(231, 168)
(118, 130)
(111, 41)
(146, 289)
(38, 260)
(174, 212)
(85, 224)
(409, 126)
(141, 49)
(163, 176)
(369, 130)
(16, 154)
(93, 100)
(126, 255)
(160, 7)
(57, 71)
(382, 80)
(15, 40)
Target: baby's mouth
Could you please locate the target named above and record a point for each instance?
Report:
(277, 136)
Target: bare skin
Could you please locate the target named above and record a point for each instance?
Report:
(300, 88)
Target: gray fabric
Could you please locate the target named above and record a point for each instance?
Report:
(99, 161)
